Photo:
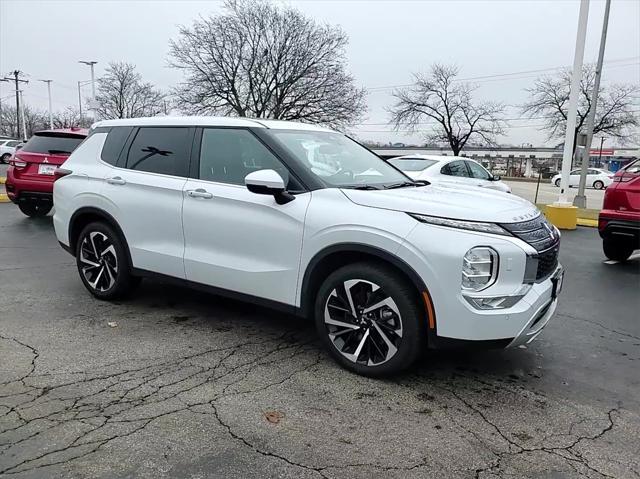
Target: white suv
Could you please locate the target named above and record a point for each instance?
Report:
(304, 219)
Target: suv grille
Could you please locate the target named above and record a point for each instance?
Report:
(547, 262)
(540, 234)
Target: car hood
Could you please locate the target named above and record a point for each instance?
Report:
(449, 201)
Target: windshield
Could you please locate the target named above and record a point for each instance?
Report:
(338, 160)
(411, 164)
(53, 145)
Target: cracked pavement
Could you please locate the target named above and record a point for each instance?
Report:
(190, 385)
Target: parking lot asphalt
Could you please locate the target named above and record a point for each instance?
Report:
(178, 384)
(548, 193)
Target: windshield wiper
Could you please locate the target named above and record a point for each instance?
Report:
(402, 185)
(361, 187)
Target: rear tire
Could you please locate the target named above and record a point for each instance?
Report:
(557, 183)
(383, 340)
(616, 249)
(103, 262)
(598, 185)
(4, 158)
(34, 210)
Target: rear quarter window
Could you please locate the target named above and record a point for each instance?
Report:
(113, 145)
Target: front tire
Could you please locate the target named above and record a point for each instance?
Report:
(616, 249)
(557, 183)
(369, 318)
(5, 158)
(598, 185)
(34, 210)
(103, 263)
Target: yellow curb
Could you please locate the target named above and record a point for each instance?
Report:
(2, 180)
(4, 198)
(587, 222)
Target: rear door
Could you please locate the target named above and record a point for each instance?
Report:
(235, 239)
(145, 188)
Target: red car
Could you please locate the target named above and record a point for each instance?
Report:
(31, 175)
(619, 220)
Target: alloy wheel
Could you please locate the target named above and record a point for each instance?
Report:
(363, 322)
(99, 262)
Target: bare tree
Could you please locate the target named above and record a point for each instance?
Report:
(35, 120)
(264, 61)
(615, 114)
(121, 93)
(447, 105)
(70, 118)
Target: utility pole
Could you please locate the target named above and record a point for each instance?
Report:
(48, 82)
(16, 78)
(581, 199)
(573, 103)
(24, 122)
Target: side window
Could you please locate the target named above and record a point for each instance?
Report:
(229, 155)
(593, 172)
(478, 171)
(575, 172)
(114, 143)
(455, 168)
(160, 150)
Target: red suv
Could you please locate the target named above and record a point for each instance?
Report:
(619, 221)
(31, 172)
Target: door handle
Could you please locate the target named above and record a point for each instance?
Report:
(200, 193)
(116, 180)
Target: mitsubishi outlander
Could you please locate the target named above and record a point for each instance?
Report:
(306, 220)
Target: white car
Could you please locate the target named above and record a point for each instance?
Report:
(448, 169)
(7, 149)
(384, 265)
(596, 178)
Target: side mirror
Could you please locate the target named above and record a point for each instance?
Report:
(268, 182)
(496, 178)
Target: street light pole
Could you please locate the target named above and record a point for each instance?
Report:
(48, 82)
(80, 101)
(24, 122)
(573, 103)
(93, 82)
(581, 200)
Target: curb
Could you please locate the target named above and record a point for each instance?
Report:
(3, 197)
(587, 222)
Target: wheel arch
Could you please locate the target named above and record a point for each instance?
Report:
(335, 256)
(83, 216)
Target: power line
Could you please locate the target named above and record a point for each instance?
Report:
(511, 74)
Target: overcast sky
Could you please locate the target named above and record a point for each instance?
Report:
(388, 41)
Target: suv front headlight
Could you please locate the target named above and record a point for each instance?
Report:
(462, 224)
(479, 268)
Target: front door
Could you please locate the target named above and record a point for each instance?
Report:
(234, 239)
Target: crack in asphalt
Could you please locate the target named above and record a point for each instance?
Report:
(112, 406)
(596, 323)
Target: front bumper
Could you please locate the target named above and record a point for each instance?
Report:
(436, 254)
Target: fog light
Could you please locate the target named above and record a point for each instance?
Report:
(479, 268)
(498, 302)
